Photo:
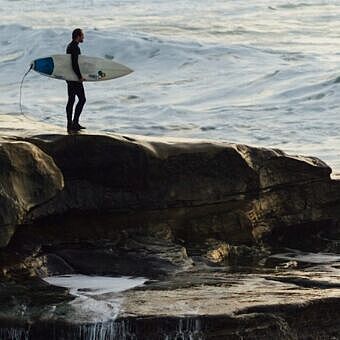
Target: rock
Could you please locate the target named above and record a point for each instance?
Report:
(274, 167)
(204, 219)
(28, 178)
(223, 253)
(201, 303)
(111, 172)
(254, 191)
(185, 191)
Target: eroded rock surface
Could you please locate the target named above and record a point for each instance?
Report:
(233, 193)
(207, 222)
(205, 303)
(28, 178)
(107, 173)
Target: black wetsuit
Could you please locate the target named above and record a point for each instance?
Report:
(74, 88)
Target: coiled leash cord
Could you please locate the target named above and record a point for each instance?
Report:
(22, 81)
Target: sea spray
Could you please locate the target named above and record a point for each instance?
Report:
(260, 72)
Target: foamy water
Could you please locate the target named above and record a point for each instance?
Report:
(94, 285)
(311, 258)
(96, 299)
(263, 73)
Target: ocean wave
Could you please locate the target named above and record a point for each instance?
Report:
(233, 70)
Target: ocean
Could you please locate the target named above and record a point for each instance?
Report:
(263, 73)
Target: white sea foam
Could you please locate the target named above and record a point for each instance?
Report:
(315, 258)
(94, 285)
(263, 73)
(90, 304)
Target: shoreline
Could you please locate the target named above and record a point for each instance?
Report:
(205, 221)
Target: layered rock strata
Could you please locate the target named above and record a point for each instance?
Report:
(257, 192)
(203, 218)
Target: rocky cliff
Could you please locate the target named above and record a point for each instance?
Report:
(165, 208)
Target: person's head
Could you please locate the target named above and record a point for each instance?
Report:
(78, 35)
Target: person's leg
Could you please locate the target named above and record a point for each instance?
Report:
(70, 103)
(81, 102)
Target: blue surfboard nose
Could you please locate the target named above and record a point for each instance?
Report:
(44, 65)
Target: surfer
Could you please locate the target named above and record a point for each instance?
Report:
(75, 88)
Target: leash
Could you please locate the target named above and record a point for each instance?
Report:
(22, 82)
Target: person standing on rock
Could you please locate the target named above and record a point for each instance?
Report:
(75, 88)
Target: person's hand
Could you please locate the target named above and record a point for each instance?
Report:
(81, 79)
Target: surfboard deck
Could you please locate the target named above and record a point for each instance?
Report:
(59, 66)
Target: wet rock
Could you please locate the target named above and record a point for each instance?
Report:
(200, 218)
(143, 257)
(197, 304)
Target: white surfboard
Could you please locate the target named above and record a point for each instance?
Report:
(59, 66)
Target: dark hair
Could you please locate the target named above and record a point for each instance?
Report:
(76, 33)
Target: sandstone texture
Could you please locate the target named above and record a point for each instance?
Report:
(211, 224)
(198, 190)
(28, 178)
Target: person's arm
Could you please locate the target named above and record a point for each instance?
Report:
(75, 65)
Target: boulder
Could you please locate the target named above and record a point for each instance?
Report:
(235, 193)
(28, 178)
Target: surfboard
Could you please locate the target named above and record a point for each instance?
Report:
(59, 66)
